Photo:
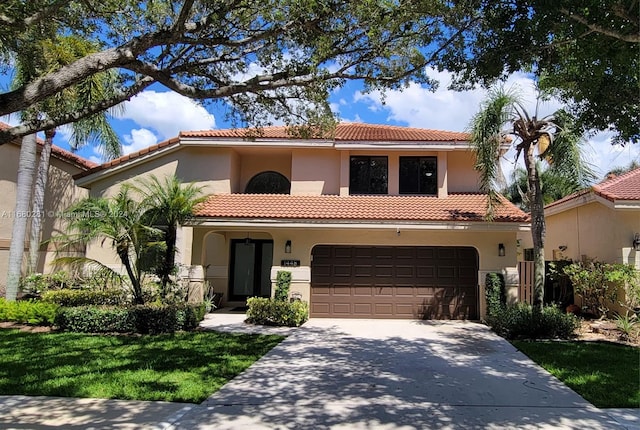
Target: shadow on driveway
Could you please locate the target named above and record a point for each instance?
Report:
(365, 374)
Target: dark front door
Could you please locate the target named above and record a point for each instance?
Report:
(250, 268)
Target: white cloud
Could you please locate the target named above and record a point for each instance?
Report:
(138, 139)
(167, 113)
(444, 109)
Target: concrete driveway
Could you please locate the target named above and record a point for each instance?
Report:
(377, 374)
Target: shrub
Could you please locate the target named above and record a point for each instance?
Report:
(495, 294)
(167, 318)
(598, 284)
(70, 298)
(283, 282)
(146, 319)
(28, 312)
(94, 319)
(523, 321)
(37, 283)
(275, 312)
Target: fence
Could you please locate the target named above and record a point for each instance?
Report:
(525, 274)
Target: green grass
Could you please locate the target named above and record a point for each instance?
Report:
(182, 367)
(606, 375)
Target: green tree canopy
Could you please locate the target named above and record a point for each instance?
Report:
(266, 59)
(586, 52)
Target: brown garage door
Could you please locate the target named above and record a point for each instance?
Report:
(394, 282)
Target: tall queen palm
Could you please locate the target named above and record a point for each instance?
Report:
(43, 57)
(503, 122)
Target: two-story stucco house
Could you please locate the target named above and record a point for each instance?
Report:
(61, 192)
(376, 222)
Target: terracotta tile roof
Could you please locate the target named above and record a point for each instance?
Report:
(133, 155)
(456, 207)
(345, 132)
(623, 187)
(63, 154)
(353, 132)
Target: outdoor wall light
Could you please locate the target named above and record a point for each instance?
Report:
(287, 247)
(562, 248)
(636, 242)
(501, 250)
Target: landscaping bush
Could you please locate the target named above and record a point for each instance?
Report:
(167, 318)
(70, 298)
(275, 312)
(598, 284)
(145, 319)
(28, 312)
(495, 295)
(37, 283)
(523, 321)
(283, 282)
(95, 319)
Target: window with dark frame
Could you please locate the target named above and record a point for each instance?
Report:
(368, 175)
(419, 175)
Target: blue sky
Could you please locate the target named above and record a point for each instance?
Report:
(156, 115)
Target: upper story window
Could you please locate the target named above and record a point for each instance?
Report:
(268, 183)
(368, 175)
(419, 175)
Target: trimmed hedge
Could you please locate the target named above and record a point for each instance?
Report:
(522, 321)
(28, 312)
(265, 311)
(70, 298)
(145, 319)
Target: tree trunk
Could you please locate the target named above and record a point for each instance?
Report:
(169, 258)
(135, 280)
(538, 227)
(26, 169)
(38, 202)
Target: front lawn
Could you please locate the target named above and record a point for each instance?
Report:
(182, 367)
(606, 375)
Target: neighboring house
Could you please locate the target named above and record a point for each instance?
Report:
(376, 222)
(599, 223)
(61, 192)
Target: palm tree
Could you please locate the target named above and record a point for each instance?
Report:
(92, 130)
(553, 184)
(501, 123)
(168, 203)
(40, 58)
(117, 220)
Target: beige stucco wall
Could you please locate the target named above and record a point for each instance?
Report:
(61, 193)
(594, 231)
(211, 247)
(315, 172)
(461, 176)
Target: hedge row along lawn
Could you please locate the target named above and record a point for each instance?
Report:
(183, 367)
(604, 374)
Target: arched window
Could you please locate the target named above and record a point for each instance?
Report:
(268, 183)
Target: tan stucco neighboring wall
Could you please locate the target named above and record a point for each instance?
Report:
(594, 231)
(61, 193)
(211, 248)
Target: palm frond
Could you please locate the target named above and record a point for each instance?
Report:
(487, 136)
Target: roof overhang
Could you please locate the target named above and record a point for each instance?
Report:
(405, 145)
(238, 223)
(83, 180)
(592, 197)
